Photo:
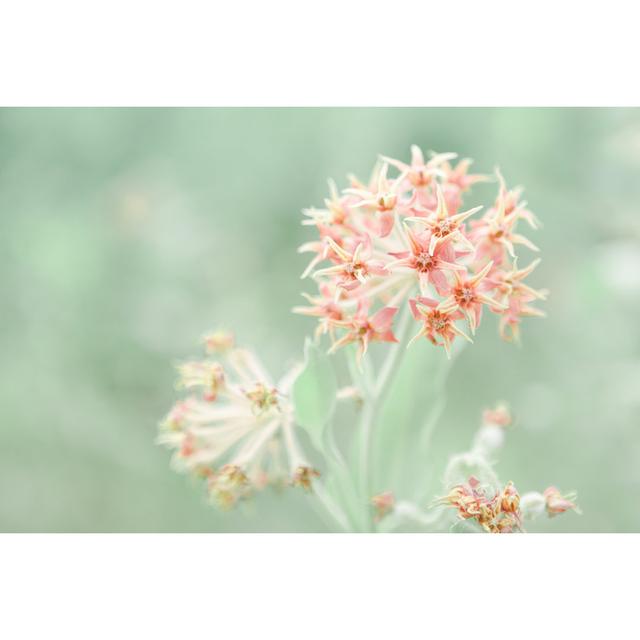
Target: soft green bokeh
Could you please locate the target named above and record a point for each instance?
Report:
(127, 233)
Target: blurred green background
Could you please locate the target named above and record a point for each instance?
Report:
(126, 233)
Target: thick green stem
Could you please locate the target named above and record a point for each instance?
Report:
(374, 398)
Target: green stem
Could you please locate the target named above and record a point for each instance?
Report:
(373, 401)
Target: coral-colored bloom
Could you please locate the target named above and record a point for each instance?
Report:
(467, 295)
(510, 200)
(495, 236)
(321, 247)
(511, 318)
(512, 292)
(436, 252)
(509, 499)
(324, 307)
(431, 266)
(364, 330)
(420, 173)
(557, 503)
(499, 513)
(444, 226)
(384, 199)
(355, 267)
(438, 324)
(460, 176)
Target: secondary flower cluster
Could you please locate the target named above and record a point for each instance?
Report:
(484, 500)
(408, 239)
(497, 513)
(235, 429)
(504, 511)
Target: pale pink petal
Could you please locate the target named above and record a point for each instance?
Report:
(381, 320)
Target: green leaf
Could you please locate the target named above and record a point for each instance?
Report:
(314, 393)
(406, 421)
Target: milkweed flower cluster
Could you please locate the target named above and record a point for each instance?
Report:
(235, 428)
(408, 239)
(403, 240)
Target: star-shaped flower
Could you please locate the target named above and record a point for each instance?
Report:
(384, 199)
(444, 226)
(353, 268)
(430, 266)
(420, 173)
(438, 324)
(467, 295)
(364, 330)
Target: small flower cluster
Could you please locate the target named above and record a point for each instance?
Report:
(497, 513)
(406, 238)
(236, 427)
(477, 495)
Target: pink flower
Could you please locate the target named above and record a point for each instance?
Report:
(355, 267)
(460, 177)
(321, 247)
(364, 330)
(384, 199)
(508, 282)
(510, 200)
(494, 235)
(499, 416)
(557, 503)
(511, 317)
(512, 292)
(420, 173)
(467, 295)
(443, 226)
(323, 307)
(438, 324)
(430, 266)
(436, 252)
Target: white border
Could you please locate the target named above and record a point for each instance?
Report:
(285, 52)
(317, 586)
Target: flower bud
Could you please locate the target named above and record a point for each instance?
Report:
(557, 503)
(383, 504)
(500, 416)
(303, 476)
(218, 342)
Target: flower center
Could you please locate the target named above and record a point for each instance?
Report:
(352, 268)
(465, 295)
(419, 178)
(262, 397)
(386, 201)
(444, 228)
(424, 261)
